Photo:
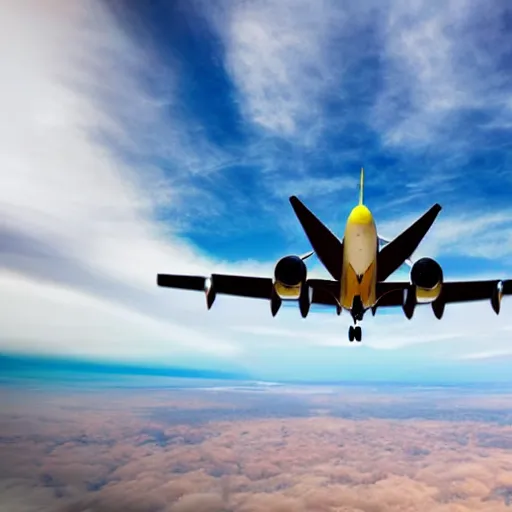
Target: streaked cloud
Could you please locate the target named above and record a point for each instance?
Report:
(469, 234)
(491, 354)
(275, 54)
(443, 70)
(315, 187)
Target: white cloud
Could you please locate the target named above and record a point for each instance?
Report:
(487, 235)
(437, 63)
(280, 57)
(50, 318)
(316, 187)
(462, 327)
(490, 354)
(274, 55)
(288, 58)
(74, 216)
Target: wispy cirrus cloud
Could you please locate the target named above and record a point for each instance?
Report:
(444, 72)
(316, 187)
(274, 54)
(484, 235)
(391, 85)
(490, 354)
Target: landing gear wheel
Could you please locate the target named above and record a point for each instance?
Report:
(357, 333)
(351, 333)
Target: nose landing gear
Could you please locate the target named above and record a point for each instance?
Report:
(354, 332)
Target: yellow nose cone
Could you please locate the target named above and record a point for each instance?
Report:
(360, 215)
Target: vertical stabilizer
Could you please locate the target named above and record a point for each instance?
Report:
(361, 187)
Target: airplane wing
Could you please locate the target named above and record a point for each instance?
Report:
(327, 246)
(392, 294)
(400, 249)
(324, 291)
(241, 286)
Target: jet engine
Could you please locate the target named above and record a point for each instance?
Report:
(289, 276)
(427, 279)
(426, 283)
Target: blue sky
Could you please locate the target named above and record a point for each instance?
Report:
(146, 137)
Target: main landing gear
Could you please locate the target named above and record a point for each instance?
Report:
(354, 332)
(357, 312)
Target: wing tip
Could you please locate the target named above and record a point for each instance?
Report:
(298, 206)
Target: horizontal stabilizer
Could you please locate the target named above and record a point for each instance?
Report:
(400, 249)
(327, 246)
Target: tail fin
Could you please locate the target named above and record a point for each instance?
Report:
(361, 187)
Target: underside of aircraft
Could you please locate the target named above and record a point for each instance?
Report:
(359, 269)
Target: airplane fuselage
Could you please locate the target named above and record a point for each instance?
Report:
(359, 269)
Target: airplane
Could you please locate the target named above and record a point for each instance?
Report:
(359, 268)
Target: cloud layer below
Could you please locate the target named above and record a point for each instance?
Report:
(286, 449)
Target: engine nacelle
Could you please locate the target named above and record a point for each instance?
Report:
(438, 308)
(427, 279)
(497, 295)
(289, 276)
(210, 292)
